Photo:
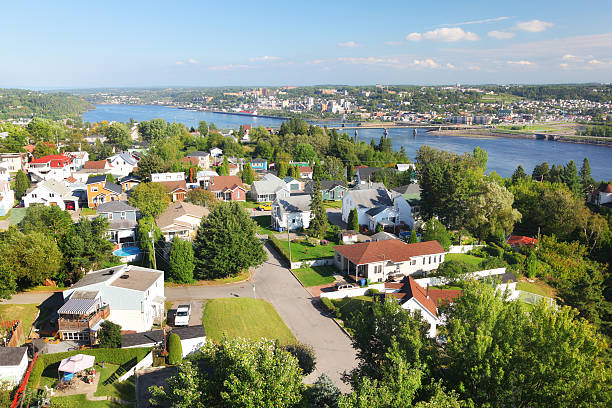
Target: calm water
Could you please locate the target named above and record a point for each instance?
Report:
(505, 154)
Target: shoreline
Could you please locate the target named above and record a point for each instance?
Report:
(539, 136)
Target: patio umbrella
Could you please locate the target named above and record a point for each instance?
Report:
(76, 363)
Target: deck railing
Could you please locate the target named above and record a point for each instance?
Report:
(84, 322)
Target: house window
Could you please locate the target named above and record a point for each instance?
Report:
(413, 262)
(51, 195)
(110, 216)
(94, 189)
(33, 195)
(123, 215)
(238, 194)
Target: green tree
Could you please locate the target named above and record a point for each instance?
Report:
(585, 175)
(413, 237)
(319, 223)
(305, 354)
(490, 212)
(109, 335)
(175, 349)
(481, 156)
(294, 172)
(203, 128)
(150, 239)
(350, 173)
(50, 219)
(150, 198)
(304, 152)
(540, 172)
(43, 149)
(150, 163)
(353, 220)
(569, 175)
(226, 243)
(248, 175)
(435, 231)
(333, 169)
(118, 134)
(224, 169)
(182, 390)
(283, 168)
(519, 174)
(153, 131)
(181, 261)
(22, 183)
(498, 354)
(199, 196)
(323, 393)
(262, 375)
(8, 284)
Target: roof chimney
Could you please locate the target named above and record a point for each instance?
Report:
(427, 293)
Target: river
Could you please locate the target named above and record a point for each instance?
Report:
(505, 154)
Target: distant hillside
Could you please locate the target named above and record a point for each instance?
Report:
(21, 103)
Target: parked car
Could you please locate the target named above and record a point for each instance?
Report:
(340, 286)
(181, 318)
(265, 207)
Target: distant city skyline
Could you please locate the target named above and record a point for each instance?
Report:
(199, 43)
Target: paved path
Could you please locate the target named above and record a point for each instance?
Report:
(275, 284)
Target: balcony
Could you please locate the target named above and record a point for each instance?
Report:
(83, 322)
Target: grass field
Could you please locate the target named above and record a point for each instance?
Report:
(500, 98)
(332, 204)
(316, 275)
(468, 259)
(244, 317)
(264, 221)
(537, 287)
(244, 275)
(25, 313)
(304, 251)
(88, 211)
(124, 390)
(249, 204)
(16, 215)
(79, 400)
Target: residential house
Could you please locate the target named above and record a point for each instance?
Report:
(101, 191)
(177, 190)
(53, 166)
(424, 301)
(78, 160)
(348, 236)
(128, 295)
(181, 219)
(228, 188)
(97, 167)
(412, 194)
(123, 164)
(160, 177)
(192, 338)
(127, 183)
(405, 167)
(123, 220)
(268, 189)
(305, 172)
(7, 196)
(377, 206)
(216, 155)
(13, 364)
(14, 162)
(259, 164)
(204, 158)
(331, 190)
(51, 192)
(234, 169)
(387, 259)
(603, 195)
(293, 185)
(291, 212)
(382, 236)
(191, 161)
(204, 177)
(364, 175)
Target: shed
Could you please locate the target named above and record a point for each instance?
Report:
(13, 364)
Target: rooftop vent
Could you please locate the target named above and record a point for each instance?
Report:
(125, 276)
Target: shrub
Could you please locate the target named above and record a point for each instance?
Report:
(305, 355)
(276, 244)
(323, 393)
(175, 350)
(514, 258)
(493, 263)
(329, 305)
(109, 335)
(373, 292)
(494, 250)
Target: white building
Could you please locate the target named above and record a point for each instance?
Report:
(51, 192)
(14, 162)
(134, 295)
(78, 160)
(161, 177)
(13, 364)
(291, 212)
(7, 196)
(122, 164)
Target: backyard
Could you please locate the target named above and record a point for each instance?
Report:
(303, 251)
(244, 317)
(537, 287)
(264, 221)
(26, 313)
(316, 275)
(465, 258)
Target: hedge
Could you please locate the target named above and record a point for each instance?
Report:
(276, 244)
(112, 356)
(329, 305)
(175, 350)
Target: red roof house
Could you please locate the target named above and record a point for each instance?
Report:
(228, 188)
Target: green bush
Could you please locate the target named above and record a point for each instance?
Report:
(329, 305)
(175, 350)
(112, 356)
(493, 250)
(372, 292)
(514, 258)
(305, 355)
(109, 335)
(276, 244)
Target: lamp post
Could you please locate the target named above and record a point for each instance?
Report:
(289, 243)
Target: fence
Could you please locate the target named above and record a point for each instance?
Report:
(16, 331)
(340, 294)
(437, 281)
(312, 262)
(146, 362)
(532, 298)
(461, 249)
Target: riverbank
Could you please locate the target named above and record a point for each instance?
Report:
(488, 133)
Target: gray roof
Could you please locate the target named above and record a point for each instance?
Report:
(376, 210)
(137, 278)
(100, 276)
(369, 186)
(198, 153)
(129, 178)
(365, 172)
(142, 339)
(326, 185)
(259, 160)
(371, 198)
(115, 206)
(116, 188)
(96, 179)
(268, 185)
(115, 225)
(297, 203)
(57, 187)
(127, 158)
(78, 306)
(408, 189)
(190, 332)
(12, 356)
(382, 236)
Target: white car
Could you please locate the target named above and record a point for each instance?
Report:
(181, 318)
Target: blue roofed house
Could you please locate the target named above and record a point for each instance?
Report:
(123, 220)
(259, 164)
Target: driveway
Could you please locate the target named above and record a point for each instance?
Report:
(275, 284)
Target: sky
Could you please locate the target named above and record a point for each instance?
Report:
(132, 43)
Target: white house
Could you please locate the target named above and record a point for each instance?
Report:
(51, 192)
(123, 220)
(78, 160)
(53, 166)
(291, 212)
(604, 195)
(122, 164)
(364, 200)
(381, 260)
(204, 177)
(14, 162)
(7, 196)
(161, 177)
(133, 295)
(269, 188)
(192, 338)
(202, 157)
(181, 219)
(13, 364)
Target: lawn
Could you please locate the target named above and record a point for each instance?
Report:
(537, 287)
(304, 251)
(249, 204)
(16, 215)
(123, 390)
(264, 221)
(244, 317)
(316, 275)
(88, 211)
(468, 259)
(332, 204)
(80, 401)
(25, 313)
(242, 276)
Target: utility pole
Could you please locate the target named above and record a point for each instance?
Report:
(289, 242)
(151, 234)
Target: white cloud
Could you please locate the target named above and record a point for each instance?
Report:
(264, 58)
(348, 44)
(534, 26)
(370, 60)
(444, 35)
(193, 61)
(229, 67)
(599, 63)
(179, 63)
(521, 62)
(426, 63)
(569, 57)
(500, 35)
(316, 62)
(473, 68)
(564, 65)
(486, 20)
(450, 66)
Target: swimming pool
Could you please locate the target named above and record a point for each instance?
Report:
(127, 251)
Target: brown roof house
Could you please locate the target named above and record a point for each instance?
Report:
(181, 219)
(388, 259)
(228, 188)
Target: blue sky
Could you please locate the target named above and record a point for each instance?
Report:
(64, 44)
